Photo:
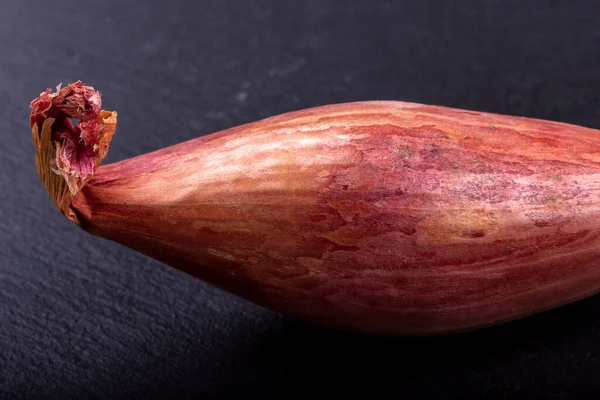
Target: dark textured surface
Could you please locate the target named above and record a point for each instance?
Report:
(84, 318)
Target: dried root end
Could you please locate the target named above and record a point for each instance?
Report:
(67, 155)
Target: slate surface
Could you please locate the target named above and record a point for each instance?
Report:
(84, 318)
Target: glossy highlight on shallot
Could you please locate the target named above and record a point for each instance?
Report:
(379, 217)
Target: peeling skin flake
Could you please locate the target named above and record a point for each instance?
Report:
(68, 153)
(77, 146)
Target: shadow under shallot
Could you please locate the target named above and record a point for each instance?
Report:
(263, 355)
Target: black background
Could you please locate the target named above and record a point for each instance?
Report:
(84, 318)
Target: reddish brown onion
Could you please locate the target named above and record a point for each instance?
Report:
(386, 218)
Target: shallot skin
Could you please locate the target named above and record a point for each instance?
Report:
(386, 218)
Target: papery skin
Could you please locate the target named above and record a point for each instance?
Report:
(385, 218)
(67, 155)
